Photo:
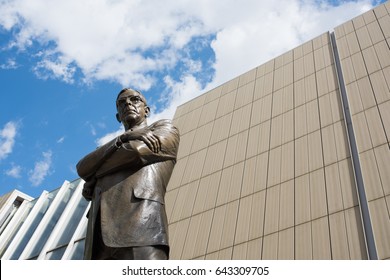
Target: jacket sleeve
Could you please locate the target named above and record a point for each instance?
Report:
(135, 154)
(89, 164)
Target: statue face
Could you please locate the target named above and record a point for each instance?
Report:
(131, 108)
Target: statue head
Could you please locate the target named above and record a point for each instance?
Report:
(132, 109)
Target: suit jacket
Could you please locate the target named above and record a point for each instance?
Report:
(129, 191)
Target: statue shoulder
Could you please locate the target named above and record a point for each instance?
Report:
(166, 130)
(165, 124)
(162, 122)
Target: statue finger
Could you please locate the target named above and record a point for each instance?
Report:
(158, 143)
(155, 143)
(148, 143)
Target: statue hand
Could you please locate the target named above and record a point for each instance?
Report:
(88, 189)
(145, 135)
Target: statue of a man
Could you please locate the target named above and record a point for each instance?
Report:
(126, 180)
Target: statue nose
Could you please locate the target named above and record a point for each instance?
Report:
(128, 102)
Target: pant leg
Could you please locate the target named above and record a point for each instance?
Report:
(99, 250)
(158, 252)
(102, 252)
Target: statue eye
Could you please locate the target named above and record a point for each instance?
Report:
(122, 102)
(132, 99)
(135, 99)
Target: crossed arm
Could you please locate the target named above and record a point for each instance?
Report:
(157, 142)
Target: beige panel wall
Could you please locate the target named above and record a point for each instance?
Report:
(365, 60)
(264, 168)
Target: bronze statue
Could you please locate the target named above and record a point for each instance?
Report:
(126, 180)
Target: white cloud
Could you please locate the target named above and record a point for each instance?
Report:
(93, 130)
(59, 68)
(126, 40)
(108, 137)
(7, 139)
(140, 43)
(41, 169)
(105, 39)
(9, 64)
(61, 140)
(179, 93)
(272, 29)
(14, 171)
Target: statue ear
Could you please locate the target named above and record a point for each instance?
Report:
(117, 117)
(147, 111)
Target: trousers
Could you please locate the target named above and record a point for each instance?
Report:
(102, 252)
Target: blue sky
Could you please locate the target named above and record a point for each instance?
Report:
(62, 64)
